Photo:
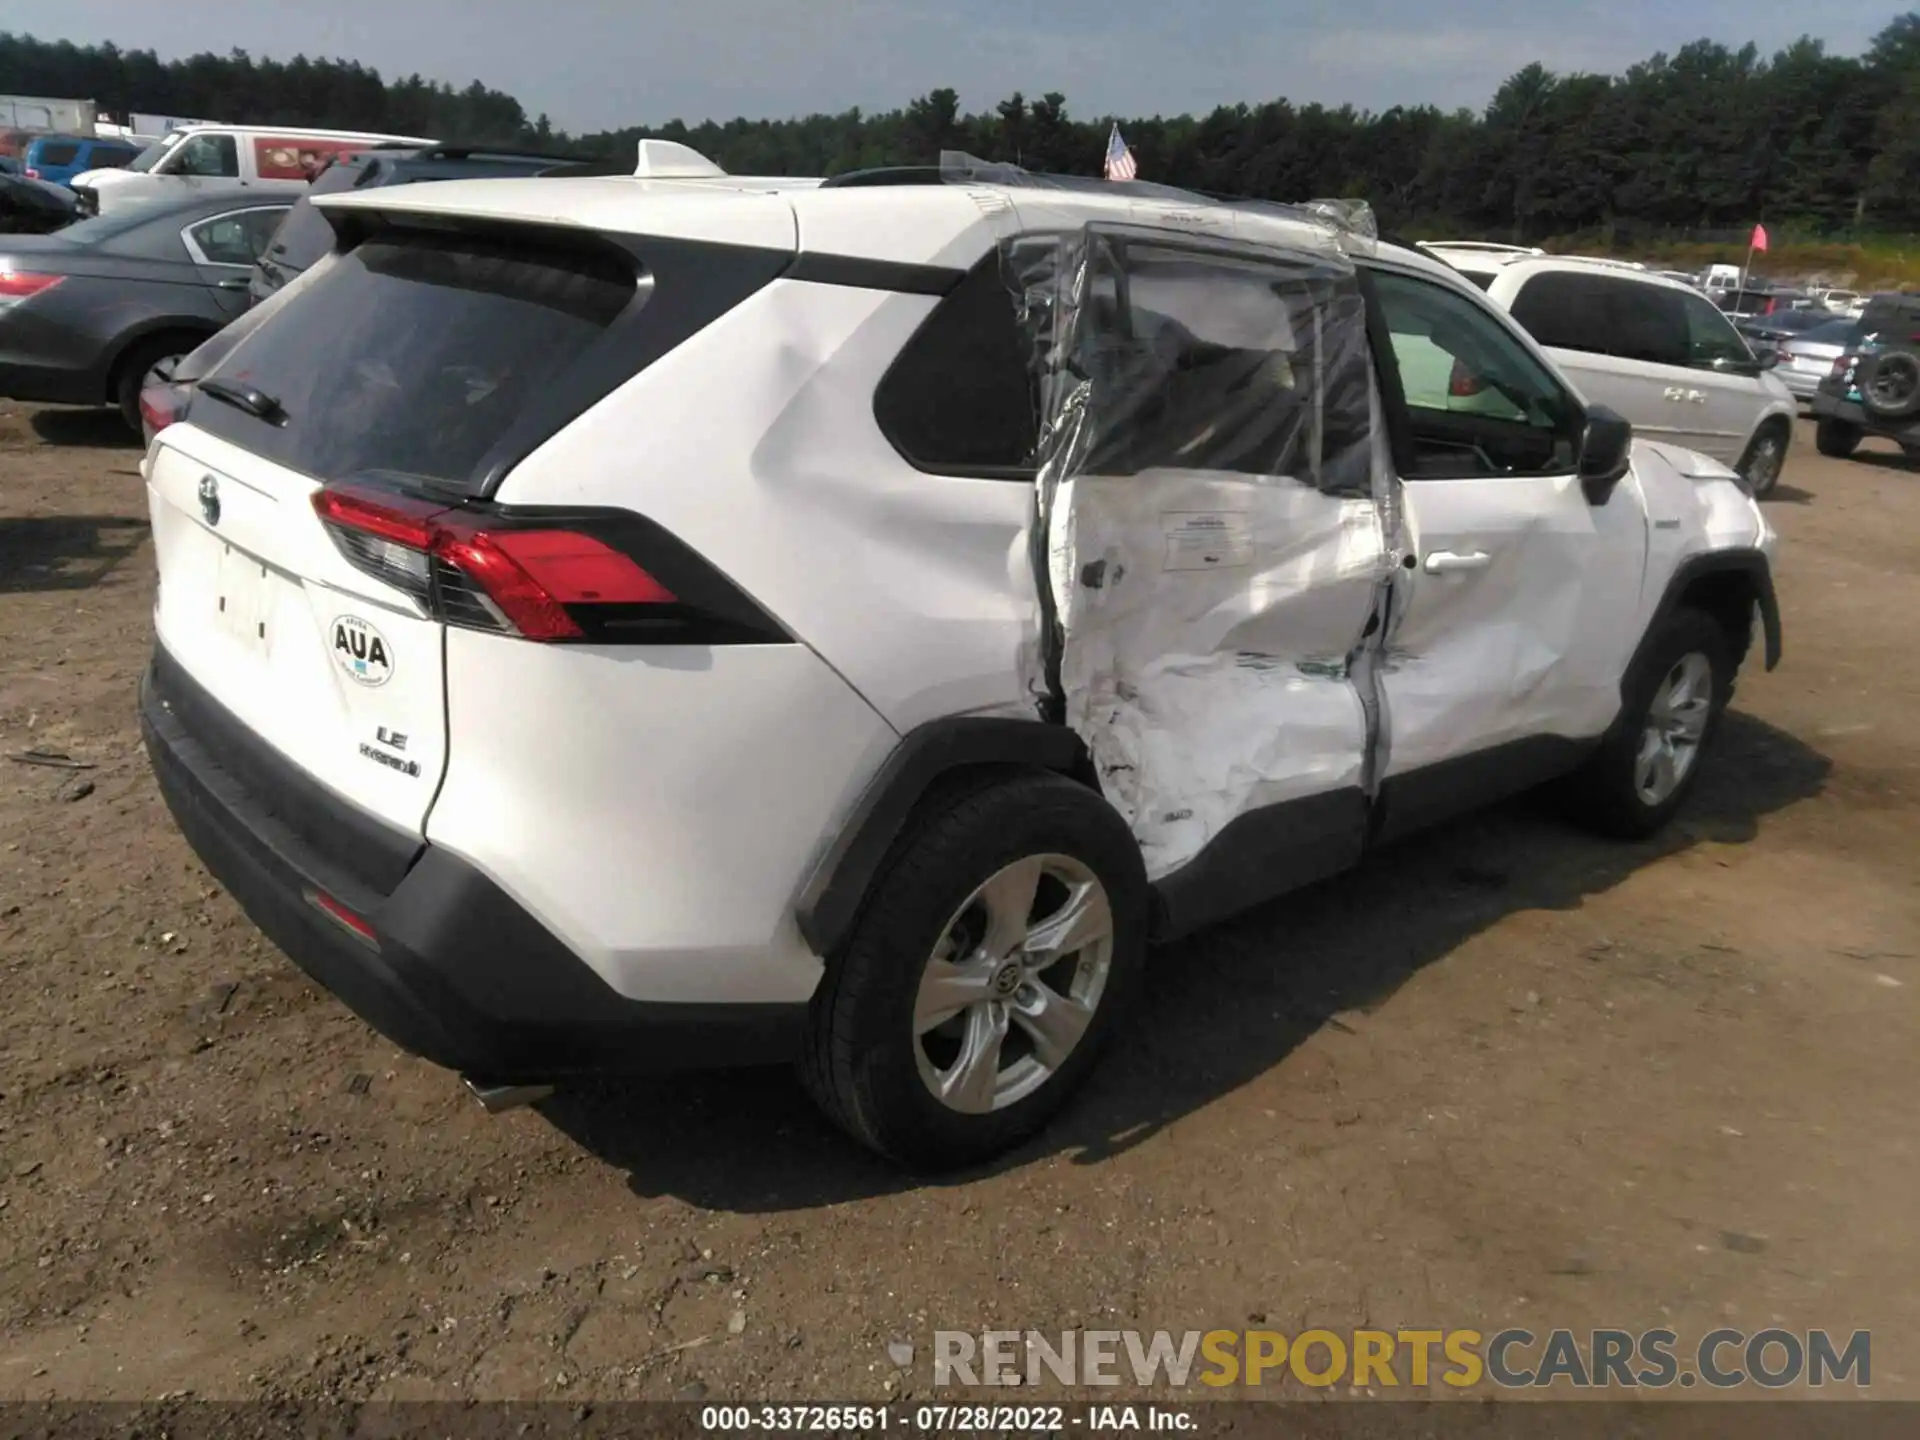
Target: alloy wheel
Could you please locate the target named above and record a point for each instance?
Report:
(1012, 987)
(1675, 729)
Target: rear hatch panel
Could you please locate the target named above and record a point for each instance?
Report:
(338, 672)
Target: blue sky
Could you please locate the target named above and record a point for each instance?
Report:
(594, 64)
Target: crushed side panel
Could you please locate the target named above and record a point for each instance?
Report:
(1215, 507)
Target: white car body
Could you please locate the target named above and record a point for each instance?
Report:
(1709, 395)
(200, 158)
(525, 858)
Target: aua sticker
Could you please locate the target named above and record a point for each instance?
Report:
(361, 651)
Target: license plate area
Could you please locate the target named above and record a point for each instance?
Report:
(241, 595)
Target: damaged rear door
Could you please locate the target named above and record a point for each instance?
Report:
(1216, 518)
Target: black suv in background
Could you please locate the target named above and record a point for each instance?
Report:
(1874, 388)
(304, 237)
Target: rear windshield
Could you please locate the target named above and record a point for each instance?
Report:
(414, 353)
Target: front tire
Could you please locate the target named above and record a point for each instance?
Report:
(1835, 438)
(1766, 456)
(996, 955)
(1651, 759)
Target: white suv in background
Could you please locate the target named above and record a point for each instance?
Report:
(609, 624)
(1656, 350)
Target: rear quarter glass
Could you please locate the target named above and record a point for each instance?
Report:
(438, 357)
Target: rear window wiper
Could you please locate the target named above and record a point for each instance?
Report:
(256, 403)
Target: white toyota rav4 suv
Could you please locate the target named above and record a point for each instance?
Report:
(609, 624)
(1654, 349)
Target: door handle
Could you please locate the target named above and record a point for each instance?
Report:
(233, 282)
(1697, 397)
(1439, 562)
(1676, 392)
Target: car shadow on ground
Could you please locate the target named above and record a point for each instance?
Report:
(1227, 1005)
(64, 552)
(1886, 460)
(93, 429)
(1785, 494)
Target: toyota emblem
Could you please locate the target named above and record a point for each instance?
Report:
(210, 499)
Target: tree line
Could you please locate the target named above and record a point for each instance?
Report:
(1709, 137)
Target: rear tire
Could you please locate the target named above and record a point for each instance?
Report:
(130, 374)
(941, 1034)
(1835, 438)
(1650, 760)
(1766, 457)
(1889, 383)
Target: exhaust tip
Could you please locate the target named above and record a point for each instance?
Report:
(496, 1098)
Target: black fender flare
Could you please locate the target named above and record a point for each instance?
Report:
(836, 889)
(1750, 563)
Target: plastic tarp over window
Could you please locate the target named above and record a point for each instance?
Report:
(1214, 516)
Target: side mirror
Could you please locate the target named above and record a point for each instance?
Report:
(1605, 451)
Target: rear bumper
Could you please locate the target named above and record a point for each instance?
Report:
(456, 971)
(1828, 406)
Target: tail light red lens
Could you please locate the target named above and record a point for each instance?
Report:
(1463, 383)
(161, 405)
(353, 924)
(18, 285)
(509, 579)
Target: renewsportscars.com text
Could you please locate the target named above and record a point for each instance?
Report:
(1512, 1358)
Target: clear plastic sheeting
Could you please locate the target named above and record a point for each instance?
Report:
(1213, 515)
(1346, 225)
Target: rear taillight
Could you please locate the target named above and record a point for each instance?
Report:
(162, 403)
(483, 572)
(18, 285)
(1463, 383)
(32, 174)
(1784, 353)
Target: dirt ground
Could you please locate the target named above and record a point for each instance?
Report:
(1503, 1075)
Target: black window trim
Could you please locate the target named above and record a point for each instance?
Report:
(1026, 474)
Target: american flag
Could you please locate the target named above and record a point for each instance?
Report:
(1120, 164)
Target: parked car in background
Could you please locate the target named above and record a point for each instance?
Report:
(1742, 304)
(1716, 278)
(34, 207)
(1657, 351)
(1841, 302)
(205, 158)
(1873, 387)
(58, 158)
(1769, 329)
(87, 312)
(1803, 359)
(1680, 277)
(305, 236)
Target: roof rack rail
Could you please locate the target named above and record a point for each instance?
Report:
(456, 151)
(885, 175)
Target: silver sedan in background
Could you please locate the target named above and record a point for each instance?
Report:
(1806, 358)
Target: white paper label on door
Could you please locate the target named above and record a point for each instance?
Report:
(1212, 540)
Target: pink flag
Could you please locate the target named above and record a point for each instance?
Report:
(1759, 237)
